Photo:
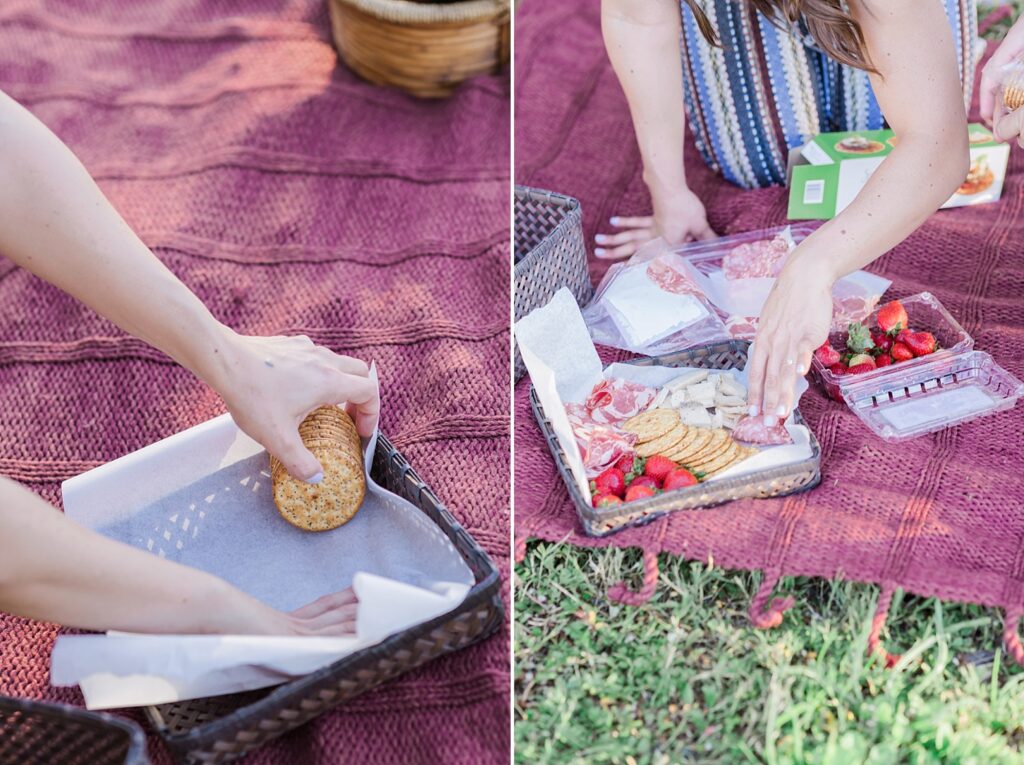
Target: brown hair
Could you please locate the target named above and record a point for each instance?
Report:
(833, 28)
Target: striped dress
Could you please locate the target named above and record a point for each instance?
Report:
(747, 111)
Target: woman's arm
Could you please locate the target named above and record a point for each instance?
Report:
(918, 88)
(642, 39)
(54, 570)
(56, 223)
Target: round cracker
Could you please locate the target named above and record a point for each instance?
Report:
(330, 434)
(651, 424)
(725, 457)
(704, 436)
(663, 444)
(682, 446)
(714, 448)
(741, 454)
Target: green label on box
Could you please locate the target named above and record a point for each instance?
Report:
(812, 195)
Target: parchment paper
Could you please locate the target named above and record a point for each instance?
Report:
(203, 498)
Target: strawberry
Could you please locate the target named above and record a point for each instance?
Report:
(611, 481)
(892, 317)
(826, 354)
(858, 338)
(920, 343)
(638, 492)
(860, 359)
(882, 341)
(900, 352)
(859, 369)
(658, 467)
(604, 500)
(630, 463)
(679, 478)
(838, 369)
(644, 480)
(884, 360)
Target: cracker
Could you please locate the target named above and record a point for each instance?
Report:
(724, 457)
(704, 436)
(651, 424)
(719, 441)
(741, 454)
(331, 435)
(663, 444)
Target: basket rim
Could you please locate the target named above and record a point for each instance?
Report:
(136, 751)
(408, 12)
(589, 515)
(484, 590)
(573, 215)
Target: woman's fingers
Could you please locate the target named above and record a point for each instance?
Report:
(617, 253)
(755, 376)
(326, 603)
(643, 221)
(623, 237)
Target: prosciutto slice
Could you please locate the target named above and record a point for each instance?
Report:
(752, 430)
(614, 400)
(671, 280)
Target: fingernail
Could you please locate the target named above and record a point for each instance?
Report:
(801, 369)
(318, 478)
(601, 238)
(753, 411)
(614, 220)
(780, 411)
(770, 420)
(599, 251)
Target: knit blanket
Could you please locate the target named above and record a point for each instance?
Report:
(941, 515)
(294, 199)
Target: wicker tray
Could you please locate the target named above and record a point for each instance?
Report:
(423, 48)
(33, 733)
(549, 252)
(221, 728)
(788, 479)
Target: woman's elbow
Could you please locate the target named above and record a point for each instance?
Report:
(954, 157)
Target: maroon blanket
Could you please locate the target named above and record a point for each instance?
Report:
(941, 515)
(293, 198)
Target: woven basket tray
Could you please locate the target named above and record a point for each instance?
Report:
(33, 733)
(423, 48)
(788, 479)
(549, 252)
(221, 728)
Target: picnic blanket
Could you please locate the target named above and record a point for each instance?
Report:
(294, 199)
(941, 515)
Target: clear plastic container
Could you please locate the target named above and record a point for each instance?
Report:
(911, 398)
(707, 256)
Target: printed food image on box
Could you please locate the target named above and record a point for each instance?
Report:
(837, 166)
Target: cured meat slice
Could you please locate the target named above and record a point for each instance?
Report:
(671, 280)
(741, 327)
(752, 430)
(603, 448)
(756, 259)
(614, 400)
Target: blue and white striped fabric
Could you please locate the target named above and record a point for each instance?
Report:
(767, 90)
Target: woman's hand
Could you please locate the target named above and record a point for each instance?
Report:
(678, 218)
(270, 384)
(1009, 126)
(332, 615)
(990, 95)
(795, 320)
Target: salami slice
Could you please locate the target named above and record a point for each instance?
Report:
(752, 430)
(604, 446)
(741, 327)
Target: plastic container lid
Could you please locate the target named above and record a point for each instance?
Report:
(707, 256)
(950, 386)
(951, 391)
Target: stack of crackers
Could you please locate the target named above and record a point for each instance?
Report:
(703, 451)
(331, 435)
(1013, 85)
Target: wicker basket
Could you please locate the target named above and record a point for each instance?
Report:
(33, 733)
(775, 482)
(423, 48)
(221, 728)
(549, 252)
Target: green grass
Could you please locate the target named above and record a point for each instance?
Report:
(686, 678)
